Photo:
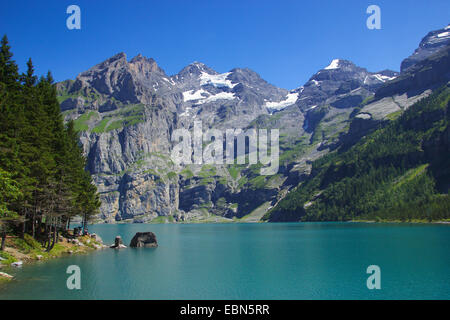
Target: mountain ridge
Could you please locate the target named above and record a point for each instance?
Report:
(126, 110)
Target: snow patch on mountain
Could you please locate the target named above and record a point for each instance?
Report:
(186, 112)
(169, 81)
(201, 96)
(291, 98)
(379, 77)
(383, 78)
(363, 116)
(216, 80)
(219, 96)
(193, 95)
(333, 65)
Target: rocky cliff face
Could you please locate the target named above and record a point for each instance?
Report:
(126, 111)
(430, 44)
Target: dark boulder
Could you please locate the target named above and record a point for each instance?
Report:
(144, 240)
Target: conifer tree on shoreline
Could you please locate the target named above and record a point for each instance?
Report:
(43, 181)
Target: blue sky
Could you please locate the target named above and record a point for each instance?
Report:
(284, 41)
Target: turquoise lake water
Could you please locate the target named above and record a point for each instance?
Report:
(252, 261)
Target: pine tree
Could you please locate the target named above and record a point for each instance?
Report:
(40, 157)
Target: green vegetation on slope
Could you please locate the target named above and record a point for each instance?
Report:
(126, 116)
(80, 124)
(399, 172)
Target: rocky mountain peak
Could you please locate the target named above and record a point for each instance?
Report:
(436, 38)
(247, 82)
(339, 64)
(388, 73)
(140, 57)
(144, 67)
(117, 57)
(103, 77)
(190, 76)
(116, 61)
(141, 60)
(244, 74)
(117, 79)
(341, 84)
(200, 67)
(195, 69)
(339, 69)
(140, 65)
(433, 42)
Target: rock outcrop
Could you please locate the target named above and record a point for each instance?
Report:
(144, 240)
(5, 275)
(427, 67)
(433, 42)
(118, 243)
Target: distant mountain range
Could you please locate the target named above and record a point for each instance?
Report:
(126, 111)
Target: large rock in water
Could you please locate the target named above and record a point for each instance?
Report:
(144, 240)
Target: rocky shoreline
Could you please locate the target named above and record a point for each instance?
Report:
(414, 221)
(25, 251)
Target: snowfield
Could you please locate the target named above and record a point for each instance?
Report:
(216, 80)
(193, 95)
(291, 98)
(201, 96)
(334, 65)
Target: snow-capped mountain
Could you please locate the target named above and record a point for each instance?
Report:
(340, 80)
(430, 44)
(236, 96)
(126, 111)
